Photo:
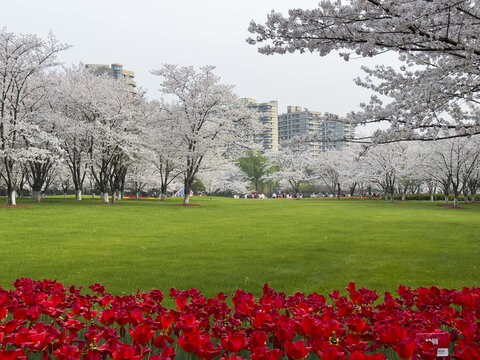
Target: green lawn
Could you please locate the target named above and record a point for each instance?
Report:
(225, 244)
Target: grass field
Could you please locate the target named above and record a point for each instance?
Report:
(225, 244)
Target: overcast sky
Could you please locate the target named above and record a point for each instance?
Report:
(144, 34)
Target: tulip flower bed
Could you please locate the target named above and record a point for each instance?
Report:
(45, 319)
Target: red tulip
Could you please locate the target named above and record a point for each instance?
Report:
(234, 342)
(332, 353)
(11, 354)
(107, 317)
(467, 350)
(274, 354)
(3, 312)
(68, 352)
(20, 314)
(105, 300)
(231, 357)
(405, 348)
(297, 350)
(121, 351)
(391, 334)
(191, 342)
(142, 334)
(100, 289)
(258, 339)
(166, 322)
(159, 341)
(168, 353)
(284, 334)
(311, 326)
(358, 355)
(208, 351)
(181, 302)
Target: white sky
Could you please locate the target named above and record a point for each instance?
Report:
(144, 34)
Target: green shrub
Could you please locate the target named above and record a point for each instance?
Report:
(436, 197)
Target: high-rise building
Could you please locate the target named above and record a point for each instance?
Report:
(117, 72)
(334, 133)
(268, 115)
(325, 134)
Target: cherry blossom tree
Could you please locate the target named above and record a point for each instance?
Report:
(452, 164)
(338, 167)
(22, 182)
(99, 125)
(141, 175)
(75, 93)
(62, 178)
(162, 146)
(439, 175)
(40, 172)
(23, 61)
(384, 164)
(473, 183)
(45, 149)
(327, 171)
(228, 178)
(293, 164)
(410, 168)
(400, 168)
(209, 121)
(434, 94)
(101, 129)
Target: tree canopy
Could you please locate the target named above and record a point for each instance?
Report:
(209, 120)
(256, 166)
(434, 95)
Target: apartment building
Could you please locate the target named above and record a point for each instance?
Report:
(268, 115)
(117, 72)
(325, 134)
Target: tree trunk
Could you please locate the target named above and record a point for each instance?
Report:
(37, 195)
(392, 196)
(472, 197)
(93, 195)
(105, 197)
(163, 191)
(339, 191)
(431, 197)
(12, 197)
(352, 189)
(455, 201)
(65, 195)
(121, 194)
(113, 197)
(446, 199)
(187, 187)
(404, 196)
(136, 195)
(78, 194)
